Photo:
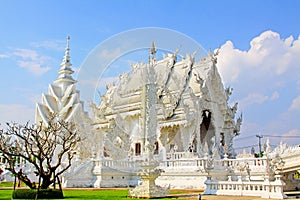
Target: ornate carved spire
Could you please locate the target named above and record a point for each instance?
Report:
(153, 49)
(66, 60)
(65, 72)
(152, 52)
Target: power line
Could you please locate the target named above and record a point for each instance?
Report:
(245, 147)
(237, 139)
(277, 136)
(282, 136)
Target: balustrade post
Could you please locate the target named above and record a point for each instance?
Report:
(97, 171)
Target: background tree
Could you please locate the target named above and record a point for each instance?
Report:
(47, 148)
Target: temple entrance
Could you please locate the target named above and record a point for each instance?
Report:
(207, 133)
(206, 118)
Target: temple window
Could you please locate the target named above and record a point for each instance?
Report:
(156, 147)
(137, 149)
(222, 139)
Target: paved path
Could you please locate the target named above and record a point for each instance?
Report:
(194, 195)
(214, 197)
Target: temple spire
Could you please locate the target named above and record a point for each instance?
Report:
(152, 51)
(65, 72)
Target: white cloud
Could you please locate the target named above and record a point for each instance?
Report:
(58, 45)
(4, 56)
(275, 95)
(31, 60)
(229, 62)
(253, 98)
(295, 104)
(110, 54)
(265, 77)
(34, 67)
(25, 53)
(289, 137)
(16, 113)
(257, 98)
(270, 64)
(293, 132)
(268, 56)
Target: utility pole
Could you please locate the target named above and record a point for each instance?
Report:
(259, 143)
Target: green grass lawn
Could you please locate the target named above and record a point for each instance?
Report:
(9, 184)
(85, 194)
(95, 194)
(5, 194)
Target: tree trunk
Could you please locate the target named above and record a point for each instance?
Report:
(59, 183)
(26, 180)
(46, 181)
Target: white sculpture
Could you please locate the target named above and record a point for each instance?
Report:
(64, 102)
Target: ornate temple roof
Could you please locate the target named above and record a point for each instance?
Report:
(177, 84)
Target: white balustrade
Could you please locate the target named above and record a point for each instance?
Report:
(116, 164)
(246, 188)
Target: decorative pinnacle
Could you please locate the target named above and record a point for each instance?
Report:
(65, 71)
(68, 41)
(153, 49)
(66, 60)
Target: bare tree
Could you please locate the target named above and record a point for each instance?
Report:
(48, 148)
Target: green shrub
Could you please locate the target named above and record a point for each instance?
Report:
(43, 194)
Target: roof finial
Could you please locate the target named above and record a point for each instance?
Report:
(152, 51)
(66, 63)
(65, 72)
(68, 41)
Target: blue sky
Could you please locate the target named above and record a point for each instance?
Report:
(258, 41)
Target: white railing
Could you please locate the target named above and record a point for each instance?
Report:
(181, 155)
(247, 188)
(19, 161)
(253, 163)
(116, 164)
(183, 163)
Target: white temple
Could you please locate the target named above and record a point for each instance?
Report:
(185, 122)
(193, 114)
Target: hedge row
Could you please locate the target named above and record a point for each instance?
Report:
(43, 194)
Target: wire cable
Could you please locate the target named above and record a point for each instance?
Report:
(245, 147)
(282, 136)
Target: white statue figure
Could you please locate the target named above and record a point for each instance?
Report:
(238, 124)
(234, 109)
(228, 92)
(268, 147)
(96, 111)
(203, 88)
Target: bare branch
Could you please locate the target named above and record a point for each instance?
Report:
(44, 146)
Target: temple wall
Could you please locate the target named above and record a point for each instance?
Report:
(182, 180)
